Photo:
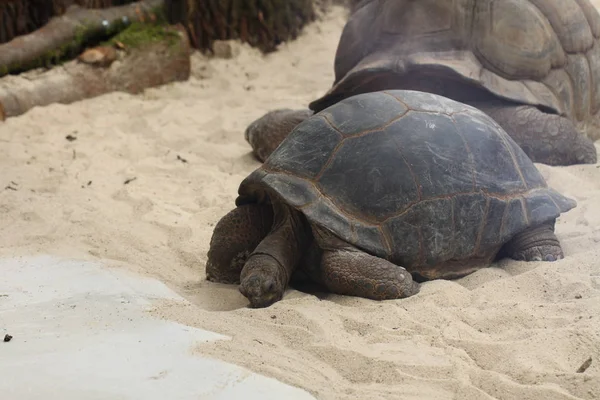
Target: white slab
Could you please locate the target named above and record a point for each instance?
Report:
(80, 332)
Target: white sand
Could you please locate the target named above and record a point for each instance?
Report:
(514, 331)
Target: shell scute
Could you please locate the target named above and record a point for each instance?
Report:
(428, 102)
(373, 190)
(516, 219)
(328, 215)
(490, 236)
(469, 211)
(298, 191)
(432, 146)
(308, 148)
(569, 22)
(579, 72)
(593, 58)
(372, 238)
(361, 114)
(521, 33)
(539, 206)
(495, 170)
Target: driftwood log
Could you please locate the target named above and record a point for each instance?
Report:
(150, 63)
(261, 23)
(20, 17)
(66, 36)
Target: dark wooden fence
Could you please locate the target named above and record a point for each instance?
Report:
(260, 23)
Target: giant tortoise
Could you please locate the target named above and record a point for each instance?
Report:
(532, 65)
(381, 188)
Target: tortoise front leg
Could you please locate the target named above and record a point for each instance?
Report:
(355, 273)
(234, 238)
(267, 132)
(269, 268)
(535, 244)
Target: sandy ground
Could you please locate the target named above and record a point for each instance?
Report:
(147, 177)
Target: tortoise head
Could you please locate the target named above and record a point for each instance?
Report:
(261, 281)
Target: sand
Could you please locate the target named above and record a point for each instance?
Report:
(146, 178)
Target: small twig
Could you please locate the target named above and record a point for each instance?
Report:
(183, 160)
(129, 180)
(586, 364)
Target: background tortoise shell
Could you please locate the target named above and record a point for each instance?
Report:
(538, 52)
(412, 177)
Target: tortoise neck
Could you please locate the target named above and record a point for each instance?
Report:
(284, 245)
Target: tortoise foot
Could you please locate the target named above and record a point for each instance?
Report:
(540, 253)
(535, 244)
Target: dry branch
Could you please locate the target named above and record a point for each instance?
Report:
(150, 64)
(69, 33)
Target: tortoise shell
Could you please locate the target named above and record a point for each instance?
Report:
(412, 177)
(543, 53)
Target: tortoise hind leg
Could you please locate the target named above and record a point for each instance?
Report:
(535, 244)
(234, 238)
(354, 273)
(546, 138)
(267, 132)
